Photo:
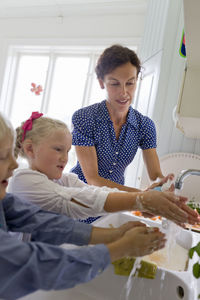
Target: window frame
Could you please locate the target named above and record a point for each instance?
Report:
(15, 51)
(15, 54)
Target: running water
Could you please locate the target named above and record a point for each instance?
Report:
(129, 284)
(171, 231)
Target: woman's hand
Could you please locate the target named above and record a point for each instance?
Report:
(162, 181)
(138, 241)
(168, 205)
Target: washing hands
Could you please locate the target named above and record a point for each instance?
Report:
(167, 189)
(164, 184)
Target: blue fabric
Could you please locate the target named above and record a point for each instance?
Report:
(27, 267)
(92, 126)
(90, 220)
(157, 188)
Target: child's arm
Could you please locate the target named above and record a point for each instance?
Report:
(46, 264)
(85, 200)
(27, 267)
(164, 204)
(54, 268)
(47, 227)
(56, 229)
(68, 196)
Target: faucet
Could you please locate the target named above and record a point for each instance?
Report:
(183, 174)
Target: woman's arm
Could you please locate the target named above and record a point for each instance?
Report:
(152, 163)
(87, 158)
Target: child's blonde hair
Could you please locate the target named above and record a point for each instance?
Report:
(6, 129)
(41, 127)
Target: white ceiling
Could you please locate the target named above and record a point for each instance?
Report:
(55, 8)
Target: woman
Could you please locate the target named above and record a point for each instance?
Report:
(108, 134)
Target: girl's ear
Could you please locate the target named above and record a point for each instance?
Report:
(28, 148)
(101, 83)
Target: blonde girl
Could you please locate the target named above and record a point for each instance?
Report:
(40, 264)
(45, 143)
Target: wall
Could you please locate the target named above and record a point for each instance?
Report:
(95, 26)
(164, 26)
(162, 36)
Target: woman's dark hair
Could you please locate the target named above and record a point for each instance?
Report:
(114, 57)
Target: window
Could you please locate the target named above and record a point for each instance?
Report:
(31, 69)
(68, 82)
(67, 79)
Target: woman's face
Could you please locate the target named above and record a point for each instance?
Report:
(7, 163)
(120, 85)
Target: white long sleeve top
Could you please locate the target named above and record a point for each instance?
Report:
(56, 195)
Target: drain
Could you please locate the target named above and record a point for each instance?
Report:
(180, 292)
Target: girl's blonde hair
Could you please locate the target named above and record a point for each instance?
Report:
(6, 129)
(41, 128)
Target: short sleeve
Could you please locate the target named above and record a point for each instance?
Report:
(83, 128)
(148, 134)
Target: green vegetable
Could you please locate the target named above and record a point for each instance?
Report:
(194, 249)
(191, 252)
(194, 205)
(196, 266)
(196, 270)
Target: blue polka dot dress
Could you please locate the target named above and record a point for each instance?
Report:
(92, 126)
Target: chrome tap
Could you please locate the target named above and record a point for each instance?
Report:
(183, 174)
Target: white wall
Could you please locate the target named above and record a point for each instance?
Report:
(164, 35)
(95, 26)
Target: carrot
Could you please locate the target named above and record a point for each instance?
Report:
(137, 213)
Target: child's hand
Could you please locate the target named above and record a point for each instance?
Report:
(109, 235)
(193, 215)
(138, 241)
(121, 230)
(168, 205)
(129, 225)
(144, 240)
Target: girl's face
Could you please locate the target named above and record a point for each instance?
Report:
(120, 85)
(7, 163)
(50, 155)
